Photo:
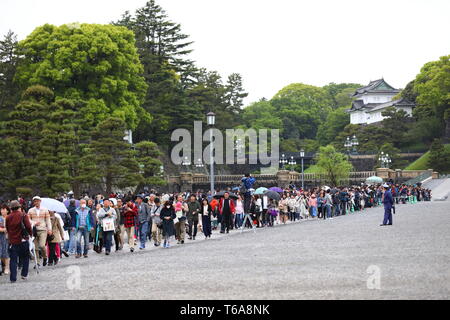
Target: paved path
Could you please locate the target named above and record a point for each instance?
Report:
(306, 260)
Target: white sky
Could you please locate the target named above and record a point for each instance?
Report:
(275, 43)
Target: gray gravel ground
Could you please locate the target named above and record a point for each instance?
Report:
(306, 260)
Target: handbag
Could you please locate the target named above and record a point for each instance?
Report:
(157, 220)
(108, 224)
(175, 221)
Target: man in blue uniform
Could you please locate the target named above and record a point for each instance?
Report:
(388, 202)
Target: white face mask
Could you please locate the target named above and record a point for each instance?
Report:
(83, 206)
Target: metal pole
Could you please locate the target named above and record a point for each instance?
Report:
(303, 177)
(212, 163)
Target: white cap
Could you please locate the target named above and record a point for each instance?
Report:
(37, 198)
(385, 185)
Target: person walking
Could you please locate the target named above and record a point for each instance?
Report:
(328, 203)
(18, 237)
(168, 215)
(206, 212)
(180, 226)
(106, 217)
(71, 242)
(226, 210)
(192, 216)
(54, 240)
(239, 212)
(118, 234)
(155, 214)
(144, 219)
(130, 212)
(84, 224)
(312, 203)
(4, 254)
(388, 202)
(40, 218)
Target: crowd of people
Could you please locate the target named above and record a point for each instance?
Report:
(103, 223)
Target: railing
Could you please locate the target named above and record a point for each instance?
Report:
(419, 178)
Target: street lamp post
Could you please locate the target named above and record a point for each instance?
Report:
(292, 162)
(211, 120)
(186, 163)
(385, 160)
(348, 145)
(355, 143)
(199, 164)
(283, 161)
(302, 155)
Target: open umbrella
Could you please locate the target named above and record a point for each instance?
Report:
(272, 195)
(261, 190)
(67, 202)
(53, 205)
(374, 179)
(221, 193)
(276, 189)
(113, 200)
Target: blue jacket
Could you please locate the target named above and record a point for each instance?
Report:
(89, 219)
(387, 200)
(248, 182)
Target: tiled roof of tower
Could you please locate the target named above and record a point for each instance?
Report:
(377, 85)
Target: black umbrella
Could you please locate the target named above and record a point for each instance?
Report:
(221, 194)
(272, 195)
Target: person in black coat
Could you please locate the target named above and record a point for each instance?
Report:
(168, 215)
(206, 211)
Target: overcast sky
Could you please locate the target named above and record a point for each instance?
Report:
(275, 43)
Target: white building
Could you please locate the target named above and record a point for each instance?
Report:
(371, 100)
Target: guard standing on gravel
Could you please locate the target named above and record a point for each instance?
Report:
(388, 203)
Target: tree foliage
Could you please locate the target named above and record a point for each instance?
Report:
(333, 165)
(91, 62)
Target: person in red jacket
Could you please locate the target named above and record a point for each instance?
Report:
(130, 213)
(18, 240)
(226, 209)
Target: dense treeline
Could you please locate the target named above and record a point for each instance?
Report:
(68, 94)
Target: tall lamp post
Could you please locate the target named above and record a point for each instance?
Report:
(292, 162)
(355, 143)
(283, 161)
(199, 164)
(385, 160)
(186, 163)
(211, 120)
(302, 155)
(348, 145)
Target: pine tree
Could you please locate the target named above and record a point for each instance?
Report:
(22, 134)
(439, 159)
(147, 157)
(9, 93)
(110, 159)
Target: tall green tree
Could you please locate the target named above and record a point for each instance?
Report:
(439, 159)
(333, 125)
(112, 158)
(333, 165)
(95, 63)
(9, 58)
(22, 133)
(150, 166)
